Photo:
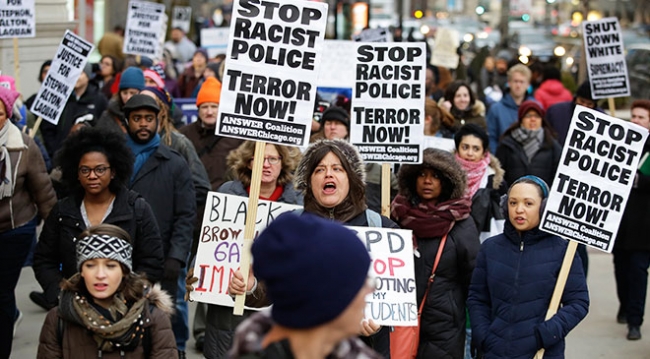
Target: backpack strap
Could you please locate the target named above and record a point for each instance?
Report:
(373, 218)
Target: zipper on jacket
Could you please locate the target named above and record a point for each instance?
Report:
(521, 246)
(332, 213)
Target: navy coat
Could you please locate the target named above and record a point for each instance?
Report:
(510, 292)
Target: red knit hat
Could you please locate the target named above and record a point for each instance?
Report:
(527, 106)
(210, 92)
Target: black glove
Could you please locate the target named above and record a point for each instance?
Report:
(172, 269)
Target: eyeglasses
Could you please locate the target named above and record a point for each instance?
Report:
(99, 170)
(271, 160)
(532, 115)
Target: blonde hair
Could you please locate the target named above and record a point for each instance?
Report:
(521, 69)
(239, 159)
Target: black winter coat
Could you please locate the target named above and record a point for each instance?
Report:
(55, 255)
(515, 163)
(165, 181)
(635, 224)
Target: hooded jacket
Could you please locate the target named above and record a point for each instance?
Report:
(511, 290)
(78, 343)
(500, 116)
(551, 92)
(442, 326)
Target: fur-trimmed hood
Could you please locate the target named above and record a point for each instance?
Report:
(499, 173)
(441, 161)
(161, 300)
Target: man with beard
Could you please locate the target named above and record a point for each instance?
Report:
(164, 179)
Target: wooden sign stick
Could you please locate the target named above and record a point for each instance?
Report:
(385, 189)
(251, 216)
(34, 129)
(559, 285)
(612, 106)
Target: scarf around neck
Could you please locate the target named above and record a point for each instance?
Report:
(428, 220)
(142, 151)
(530, 140)
(124, 331)
(475, 172)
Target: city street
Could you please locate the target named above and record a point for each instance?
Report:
(598, 336)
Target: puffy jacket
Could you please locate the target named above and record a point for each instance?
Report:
(76, 341)
(55, 255)
(511, 290)
(500, 116)
(551, 92)
(33, 193)
(514, 161)
(221, 323)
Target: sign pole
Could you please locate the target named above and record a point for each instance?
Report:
(612, 106)
(385, 189)
(37, 124)
(249, 230)
(16, 64)
(559, 285)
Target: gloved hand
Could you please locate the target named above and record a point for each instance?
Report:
(172, 269)
(189, 280)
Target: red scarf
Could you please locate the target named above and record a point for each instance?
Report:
(475, 172)
(275, 196)
(428, 220)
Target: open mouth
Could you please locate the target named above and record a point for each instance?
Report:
(329, 188)
(100, 286)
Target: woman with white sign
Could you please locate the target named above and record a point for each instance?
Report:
(462, 103)
(277, 185)
(432, 203)
(529, 146)
(514, 280)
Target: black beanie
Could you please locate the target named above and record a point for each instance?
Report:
(338, 114)
(312, 268)
(584, 91)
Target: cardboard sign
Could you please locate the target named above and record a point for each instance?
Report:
(605, 58)
(387, 120)
(17, 19)
(373, 35)
(394, 300)
(182, 17)
(221, 242)
(594, 178)
(270, 76)
(67, 65)
(444, 51)
(145, 29)
(215, 40)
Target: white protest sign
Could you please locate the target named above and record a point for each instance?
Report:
(444, 50)
(594, 178)
(335, 69)
(373, 35)
(145, 26)
(17, 19)
(270, 76)
(221, 243)
(445, 144)
(67, 65)
(606, 58)
(387, 120)
(182, 17)
(215, 40)
(394, 300)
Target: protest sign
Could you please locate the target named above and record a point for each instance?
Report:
(215, 40)
(221, 243)
(394, 300)
(17, 19)
(445, 144)
(373, 35)
(182, 18)
(67, 65)
(594, 178)
(387, 120)
(145, 29)
(605, 57)
(270, 77)
(444, 50)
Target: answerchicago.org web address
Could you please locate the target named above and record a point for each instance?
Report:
(389, 157)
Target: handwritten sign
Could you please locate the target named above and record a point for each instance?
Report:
(594, 178)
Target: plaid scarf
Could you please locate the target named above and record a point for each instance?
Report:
(530, 140)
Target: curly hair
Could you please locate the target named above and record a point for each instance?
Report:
(133, 285)
(110, 144)
(240, 158)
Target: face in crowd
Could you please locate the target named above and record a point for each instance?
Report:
(208, 112)
(532, 120)
(471, 148)
(641, 117)
(428, 185)
(95, 173)
(143, 125)
(462, 98)
(518, 84)
(4, 115)
(329, 182)
(126, 94)
(102, 277)
(335, 130)
(524, 202)
(272, 165)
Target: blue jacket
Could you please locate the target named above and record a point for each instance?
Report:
(500, 116)
(510, 292)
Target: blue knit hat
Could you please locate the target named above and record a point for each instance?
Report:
(312, 267)
(132, 78)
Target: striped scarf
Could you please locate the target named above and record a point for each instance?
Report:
(530, 140)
